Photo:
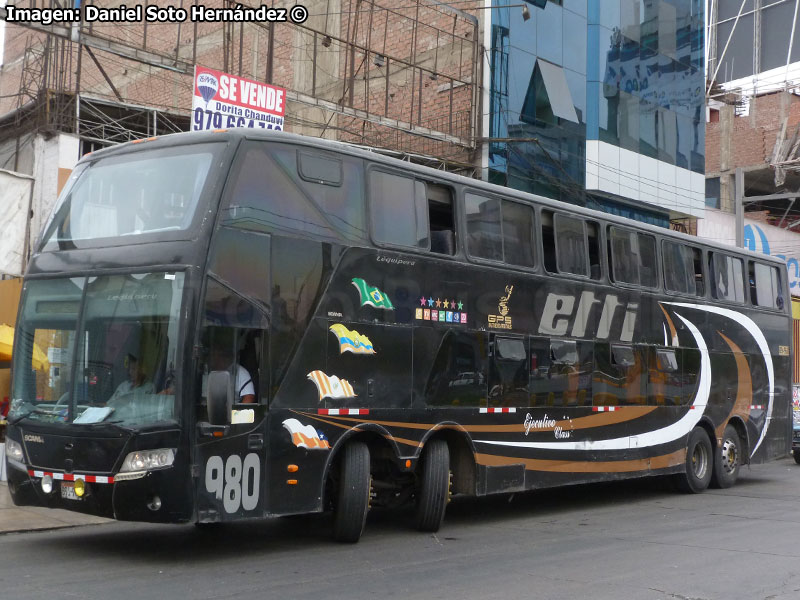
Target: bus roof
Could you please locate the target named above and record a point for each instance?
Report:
(238, 134)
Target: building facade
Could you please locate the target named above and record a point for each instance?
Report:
(601, 103)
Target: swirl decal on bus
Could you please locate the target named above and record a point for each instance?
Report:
(685, 424)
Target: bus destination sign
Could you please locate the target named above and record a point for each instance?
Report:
(223, 101)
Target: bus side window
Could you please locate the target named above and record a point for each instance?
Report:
(484, 228)
(398, 210)
(509, 375)
(571, 248)
(548, 241)
(441, 218)
(623, 251)
(683, 268)
(765, 286)
(233, 338)
(593, 230)
(263, 195)
(697, 268)
(518, 234)
(727, 279)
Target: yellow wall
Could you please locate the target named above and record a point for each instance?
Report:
(10, 290)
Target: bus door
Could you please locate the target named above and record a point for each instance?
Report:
(231, 458)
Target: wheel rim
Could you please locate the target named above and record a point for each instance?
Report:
(730, 456)
(700, 461)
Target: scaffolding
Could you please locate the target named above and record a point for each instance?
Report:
(400, 77)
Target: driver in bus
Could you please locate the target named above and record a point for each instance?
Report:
(222, 360)
(135, 383)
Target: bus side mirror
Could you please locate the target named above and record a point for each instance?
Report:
(220, 397)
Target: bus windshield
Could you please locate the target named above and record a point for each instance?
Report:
(132, 194)
(116, 365)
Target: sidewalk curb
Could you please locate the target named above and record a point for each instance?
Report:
(25, 519)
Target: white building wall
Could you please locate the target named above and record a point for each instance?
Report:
(720, 227)
(621, 172)
(16, 202)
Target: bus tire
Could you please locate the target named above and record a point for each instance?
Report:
(434, 486)
(699, 463)
(352, 503)
(727, 460)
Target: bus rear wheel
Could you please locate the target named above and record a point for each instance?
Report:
(434, 486)
(352, 501)
(699, 458)
(727, 460)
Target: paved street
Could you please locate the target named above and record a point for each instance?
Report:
(628, 540)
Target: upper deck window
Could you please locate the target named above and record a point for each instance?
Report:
(633, 257)
(765, 286)
(683, 268)
(572, 254)
(499, 230)
(398, 210)
(132, 194)
(727, 277)
(276, 187)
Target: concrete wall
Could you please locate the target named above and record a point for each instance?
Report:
(54, 159)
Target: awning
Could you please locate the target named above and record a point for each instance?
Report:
(39, 360)
(557, 91)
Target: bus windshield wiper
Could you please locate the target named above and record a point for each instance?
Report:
(16, 419)
(114, 424)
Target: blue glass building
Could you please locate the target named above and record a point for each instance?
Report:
(599, 103)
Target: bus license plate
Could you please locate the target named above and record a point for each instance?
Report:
(68, 491)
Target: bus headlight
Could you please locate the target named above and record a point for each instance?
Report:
(145, 460)
(14, 450)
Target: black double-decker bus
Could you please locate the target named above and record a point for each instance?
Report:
(238, 324)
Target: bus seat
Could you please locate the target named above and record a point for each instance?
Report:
(443, 242)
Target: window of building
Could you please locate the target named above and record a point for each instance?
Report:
(712, 192)
(727, 277)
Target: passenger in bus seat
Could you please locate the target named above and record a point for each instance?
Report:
(222, 360)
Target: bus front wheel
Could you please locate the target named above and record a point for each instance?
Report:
(434, 486)
(352, 501)
(699, 463)
(727, 459)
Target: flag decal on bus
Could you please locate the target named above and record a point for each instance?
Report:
(372, 295)
(331, 386)
(351, 340)
(305, 436)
